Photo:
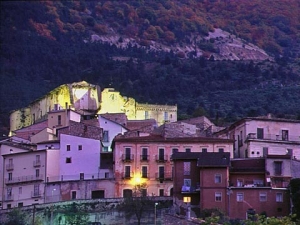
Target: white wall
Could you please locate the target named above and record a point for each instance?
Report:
(85, 161)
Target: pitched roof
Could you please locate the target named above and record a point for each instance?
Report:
(214, 159)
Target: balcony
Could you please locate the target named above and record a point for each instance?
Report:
(24, 179)
(127, 176)
(161, 158)
(273, 137)
(37, 163)
(190, 189)
(127, 157)
(9, 167)
(8, 198)
(36, 194)
(145, 175)
(164, 176)
(144, 158)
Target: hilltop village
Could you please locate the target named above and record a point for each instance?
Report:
(79, 142)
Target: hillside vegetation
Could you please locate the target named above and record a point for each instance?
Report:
(45, 44)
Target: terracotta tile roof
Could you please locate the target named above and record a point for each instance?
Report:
(119, 118)
(27, 132)
(140, 124)
(81, 130)
(213, 159)
(205, 159)
(248, 165)
(160, 138)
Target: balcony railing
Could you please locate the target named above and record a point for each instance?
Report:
(144, 158)
(95, 176)
(164, 176)
(8, 198)
(37, 163)
(144, 175)
(24, 179)
(190, 189)
(127, 175)
(127, 157)
(161, 158)
(36, 194)
(274, 137)
(9, 166)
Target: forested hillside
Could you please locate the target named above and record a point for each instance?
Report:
(45, 44)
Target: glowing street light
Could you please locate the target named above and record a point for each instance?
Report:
(155, 204)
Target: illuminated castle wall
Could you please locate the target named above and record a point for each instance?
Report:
(81, 96)
(87, 99)
(114, 102)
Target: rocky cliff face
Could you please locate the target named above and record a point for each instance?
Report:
(219, 45)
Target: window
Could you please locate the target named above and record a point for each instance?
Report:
(285, 135)
(10, 161)
(221, 149)
(79, 147)
(186, 168)
(9, 176)
(218, 178)
(161, 172)
(127, 193)
(20, 204)
(144, 154)
(278, 167)
(263, 197)
(20, 190)
(127, 153)
(146, 115)
(37, 173)
(68, 160)
(81, 176)
(166, 117)
(204, 149)
(127, 172)
(161, 192)
(187, 182)
(174, 150)
(37, 158)
(144, 172)
(279, 197)
(105, 136)
(68, 147)
(144, 192)
(258, 183)
(161, 154)
(36, 189)
(260, 133)
(240, 183)
(73, 195)
(9, 206)
(187, 150)
(105, 149)
(59, 119)
(239, 197)
(218, 196)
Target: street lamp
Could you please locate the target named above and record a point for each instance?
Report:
(155, 204)
(187, 200)
(52, 194)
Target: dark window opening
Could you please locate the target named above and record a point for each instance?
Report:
(97, 194)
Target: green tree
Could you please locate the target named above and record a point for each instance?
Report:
(294, 187)
(137, 204)
(16, 217)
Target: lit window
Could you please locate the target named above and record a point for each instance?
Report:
(263, 197)
(146, 115)
(218, 196)
(279, 197)
(105, 136)
(239, 197)
(218, 178)
(186, 168)
(240, 182)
